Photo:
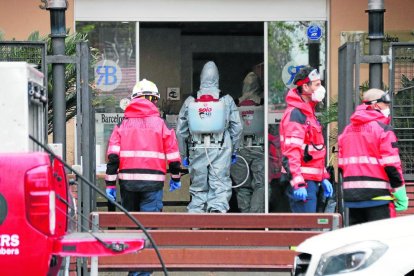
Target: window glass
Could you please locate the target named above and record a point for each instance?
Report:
(291, 45)
(288, 50)
(114, 64)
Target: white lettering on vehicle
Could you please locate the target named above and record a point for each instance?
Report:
(8, 244)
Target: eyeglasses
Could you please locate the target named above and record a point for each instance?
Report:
(313, 76)
(385, 98)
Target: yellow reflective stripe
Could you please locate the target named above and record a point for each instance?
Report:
(383, 198)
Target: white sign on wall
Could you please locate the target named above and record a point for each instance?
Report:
(108, 118)
(108, 75)
(173, 93)
(292, 68)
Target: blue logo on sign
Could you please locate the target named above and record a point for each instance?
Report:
(107, 74)
(314, 32)
(293, 70)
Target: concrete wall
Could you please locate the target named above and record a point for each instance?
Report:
(19, 18)
(350, 15)
(164, 45)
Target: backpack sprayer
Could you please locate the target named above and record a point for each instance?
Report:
(207, 124)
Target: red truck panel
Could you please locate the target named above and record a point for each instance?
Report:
(23, 249)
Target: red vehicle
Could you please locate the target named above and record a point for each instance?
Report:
(37, 216)
(34, 208)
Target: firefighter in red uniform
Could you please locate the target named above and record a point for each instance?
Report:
(137, 151)
(369, 159)
(302, 143)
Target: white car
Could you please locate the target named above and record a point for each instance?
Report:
(383, 247)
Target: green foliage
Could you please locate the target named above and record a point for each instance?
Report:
(329, 114)
(365, 86)
(406, 82)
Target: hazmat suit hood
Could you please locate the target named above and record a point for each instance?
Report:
(365, 114)
(209, 81)
(252, 89)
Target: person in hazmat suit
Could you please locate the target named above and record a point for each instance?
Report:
(208, 134)
(248, 171)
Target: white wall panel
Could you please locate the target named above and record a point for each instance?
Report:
(200, 10)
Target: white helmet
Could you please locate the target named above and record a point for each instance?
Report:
(145, 88)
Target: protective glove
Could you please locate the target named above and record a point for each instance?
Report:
(233, 159)
(186, 162)
(111, 192)
(400, 199)
(300, 194)
(327, 187)
(174, 185)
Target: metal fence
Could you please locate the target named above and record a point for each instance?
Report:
(402, 91)
(28, 51)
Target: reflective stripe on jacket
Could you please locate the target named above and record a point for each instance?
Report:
(139, 148)
(301, 132)
(368, 156)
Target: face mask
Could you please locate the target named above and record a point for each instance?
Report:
(319, 94)
(386, 112)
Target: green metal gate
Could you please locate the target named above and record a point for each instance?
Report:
(402, 91)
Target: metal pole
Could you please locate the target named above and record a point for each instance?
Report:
(57, 10)
(375, 35)
(313, 52)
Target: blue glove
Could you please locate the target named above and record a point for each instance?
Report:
(300, 194)
(111, 193)
(174, 185)
(327, 187)
(186, 162)
(233, 159)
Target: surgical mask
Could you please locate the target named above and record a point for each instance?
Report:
(386, 112)
(319, 94)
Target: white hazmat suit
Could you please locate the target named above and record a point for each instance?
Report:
(210, 187)
(251, 195)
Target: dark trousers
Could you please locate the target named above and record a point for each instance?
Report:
(278, 199)
(308, 206)
(361, 215)
(141, 202)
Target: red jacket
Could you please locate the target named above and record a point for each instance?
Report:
(368, 156)
(139, 147)
(300, 131)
